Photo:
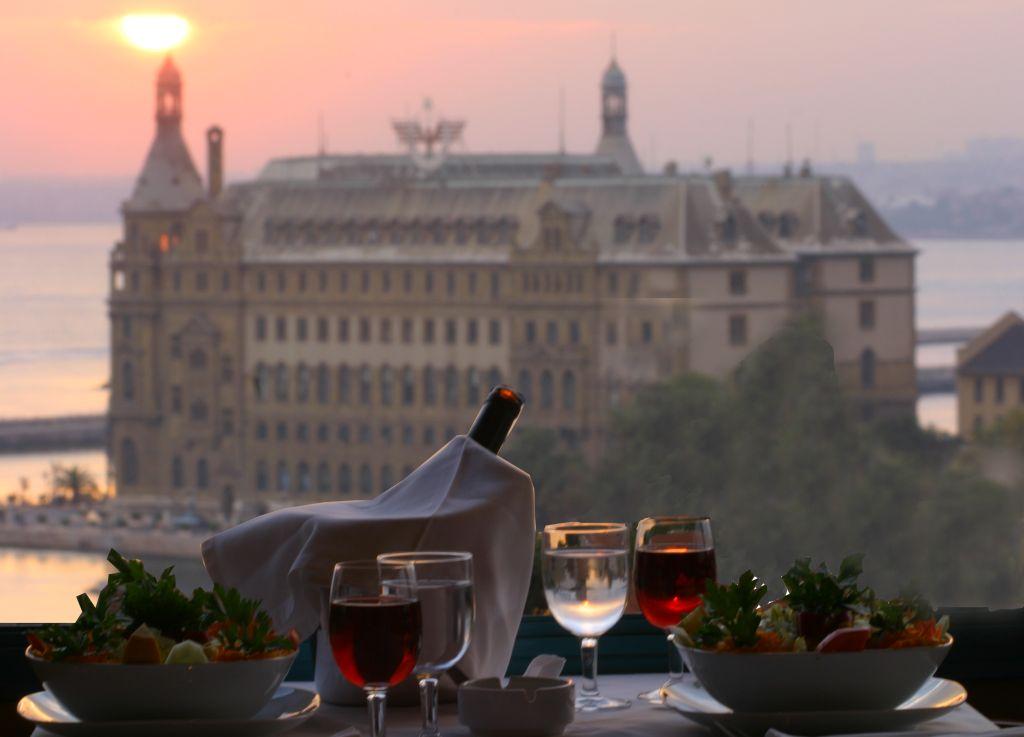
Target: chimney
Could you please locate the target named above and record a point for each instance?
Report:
(214, 160)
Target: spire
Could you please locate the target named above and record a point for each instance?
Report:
(614, 142)
(168, 180)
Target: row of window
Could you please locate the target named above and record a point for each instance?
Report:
(434, 231)
(998, 389)
(305, 478)
(345, 434)
(386, 281)
(387, 386)
(387, 330)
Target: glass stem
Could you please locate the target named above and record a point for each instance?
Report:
(428, 705)
(588, 673)
(376, 702)
(676, 666)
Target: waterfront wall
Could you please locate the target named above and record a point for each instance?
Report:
(139, 543)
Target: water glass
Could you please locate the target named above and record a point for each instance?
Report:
(675, 559)
(374, 628)
(444, 586)
(586, 580)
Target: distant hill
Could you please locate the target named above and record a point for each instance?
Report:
(62, 200)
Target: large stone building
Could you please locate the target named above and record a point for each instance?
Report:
(318, 331)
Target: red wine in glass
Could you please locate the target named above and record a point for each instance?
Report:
(375, 639)
(670, 581)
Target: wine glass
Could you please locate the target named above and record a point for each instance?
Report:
(675, 559)
(444, 585)
(586, 580)
(374, 628)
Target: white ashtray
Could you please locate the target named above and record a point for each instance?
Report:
(526, 707)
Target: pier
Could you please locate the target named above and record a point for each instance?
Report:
(72, 432)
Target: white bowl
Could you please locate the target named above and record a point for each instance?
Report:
(109, 691)
(527, 707)
(869, 679)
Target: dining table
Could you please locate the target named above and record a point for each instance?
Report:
(642, 718)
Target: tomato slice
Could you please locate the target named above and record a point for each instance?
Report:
(845, 640)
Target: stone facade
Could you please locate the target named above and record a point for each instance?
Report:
(320, 330)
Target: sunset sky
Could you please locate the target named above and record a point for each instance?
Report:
(917, 77)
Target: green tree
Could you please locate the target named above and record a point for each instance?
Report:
(74, 483)
(777, 455)
(560, 475)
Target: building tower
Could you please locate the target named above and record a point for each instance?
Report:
(614, 142)
(174, 347)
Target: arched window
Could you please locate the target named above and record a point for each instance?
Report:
(262, 482)
(386, 477)
(284, 480)
(261, 381)
(387, 385)
(197, 359)
(547, 390)
(345, 479)
(429, 386)
(302, 383)
(525, 384)
(451, 386)
(202, 474)
(129, 463)
(867, 368)
(365, 480)
(472, 387)
(408, 386)
(568, 390)
(305, 479)
(127, 381)
(365, 384)
(323, 477)
(344, 384)
(281, 383)
(177, 472)
(493, 377)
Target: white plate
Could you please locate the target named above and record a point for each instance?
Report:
(935, 698)
(288, 708)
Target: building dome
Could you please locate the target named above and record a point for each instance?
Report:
(168, 74)
(613, 76)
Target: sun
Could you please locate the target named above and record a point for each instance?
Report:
(155, 31)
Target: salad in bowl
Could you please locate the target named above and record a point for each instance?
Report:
(145, 650)
(828, 644)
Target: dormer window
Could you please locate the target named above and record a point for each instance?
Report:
(201, 241)
(623, 229)
(788, 223)
(859, 224)
(648, 229)
(461, 232)
(552, 237)
(729, 229)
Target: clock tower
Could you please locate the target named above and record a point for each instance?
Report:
(615, 143)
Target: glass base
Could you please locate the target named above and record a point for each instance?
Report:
(600, 703)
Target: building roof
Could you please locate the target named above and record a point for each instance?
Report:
(815, 212)
(999, 351)
(645, 217)
(382, 169)
(169, 180)
(613, 75)
(618, 148)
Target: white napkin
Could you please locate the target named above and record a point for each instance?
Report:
(462, 498)
(923, 729)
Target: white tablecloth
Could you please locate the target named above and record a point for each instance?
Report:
(640, 719)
